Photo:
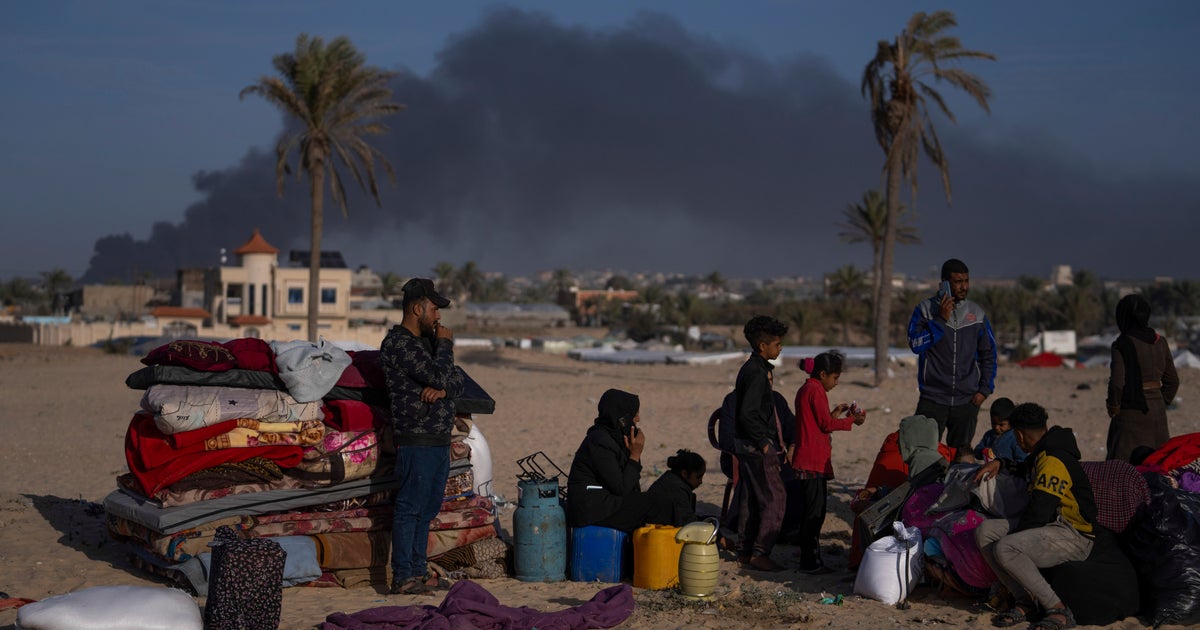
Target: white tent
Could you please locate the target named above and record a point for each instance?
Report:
(1185, 358)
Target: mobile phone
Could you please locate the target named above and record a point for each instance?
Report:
(944, 289)
(628, 428)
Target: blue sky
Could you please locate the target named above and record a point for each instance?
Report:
(113, 107)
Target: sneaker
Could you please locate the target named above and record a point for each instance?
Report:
(410, 586)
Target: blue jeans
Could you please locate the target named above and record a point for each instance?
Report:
(422, 472)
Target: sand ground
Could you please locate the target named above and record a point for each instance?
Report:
(65, 411)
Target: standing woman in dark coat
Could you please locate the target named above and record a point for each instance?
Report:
(604, 485)
(1142, 382)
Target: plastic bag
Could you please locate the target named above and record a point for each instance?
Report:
(130, 607)
(891, 566)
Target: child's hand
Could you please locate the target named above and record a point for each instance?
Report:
(840, 410)
(860, 418)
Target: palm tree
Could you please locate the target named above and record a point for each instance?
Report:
(866, 222)
(56, 282)
(894, 80)
(388, 283)
(337, 101)
(447, 277)
(846, 286)
(470, 280)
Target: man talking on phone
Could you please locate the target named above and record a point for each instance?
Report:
(956, 365)
(417, 358)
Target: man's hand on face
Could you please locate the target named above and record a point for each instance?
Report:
(441, 332)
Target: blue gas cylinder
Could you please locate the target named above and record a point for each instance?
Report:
(539, 532)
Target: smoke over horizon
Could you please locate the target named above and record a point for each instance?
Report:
(534, 145)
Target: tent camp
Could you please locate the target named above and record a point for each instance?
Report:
(1045, 359)
(1184, 358)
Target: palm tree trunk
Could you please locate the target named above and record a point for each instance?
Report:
(878, 259)
(316, 178)
(884, 311)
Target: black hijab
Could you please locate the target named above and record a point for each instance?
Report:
(1133, 319)
(616, 407)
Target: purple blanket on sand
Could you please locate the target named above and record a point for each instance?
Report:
(469, 605)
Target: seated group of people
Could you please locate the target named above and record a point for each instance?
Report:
(1054, 524)
(604, 484)
(1001, 518)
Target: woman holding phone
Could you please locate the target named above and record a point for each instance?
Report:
(603, 487)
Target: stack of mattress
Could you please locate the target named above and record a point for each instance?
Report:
(302, 454)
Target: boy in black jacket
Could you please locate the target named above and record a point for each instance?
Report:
(1058, 525)
(758, 447)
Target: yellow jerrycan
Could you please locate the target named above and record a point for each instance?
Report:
(699, 561)
(656, 557)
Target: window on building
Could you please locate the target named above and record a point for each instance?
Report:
(295, 296)
(329, 295)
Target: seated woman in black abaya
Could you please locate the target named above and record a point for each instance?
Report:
(604, 485)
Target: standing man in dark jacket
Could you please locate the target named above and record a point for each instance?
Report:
(417, 357)
(956, 368)
(758, 446)
(1057, 526)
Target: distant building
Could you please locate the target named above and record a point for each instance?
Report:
(1061, 276)
(111, 302)
(365, 282)
(509, 315)
(257, 291)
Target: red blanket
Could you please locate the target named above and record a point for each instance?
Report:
(156, 464)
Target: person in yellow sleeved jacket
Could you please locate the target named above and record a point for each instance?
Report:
(1058, 525)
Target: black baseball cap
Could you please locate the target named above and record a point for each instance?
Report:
(418, 288)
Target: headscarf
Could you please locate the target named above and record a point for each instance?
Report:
(918, 442)
(1133, 318)
(616, 406)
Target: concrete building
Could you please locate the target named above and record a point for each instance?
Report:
(111, 302)
(257, 291)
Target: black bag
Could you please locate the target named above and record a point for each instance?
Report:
(245, 586)
(876, 520)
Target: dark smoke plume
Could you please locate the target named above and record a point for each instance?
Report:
(534, 145)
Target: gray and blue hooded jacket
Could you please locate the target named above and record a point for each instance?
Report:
(956, 358)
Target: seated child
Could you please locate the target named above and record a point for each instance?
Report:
(673, 494)
(1000, 442)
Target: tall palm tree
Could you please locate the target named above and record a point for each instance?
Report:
(337, 101)
(866, 222)
(895, 82)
